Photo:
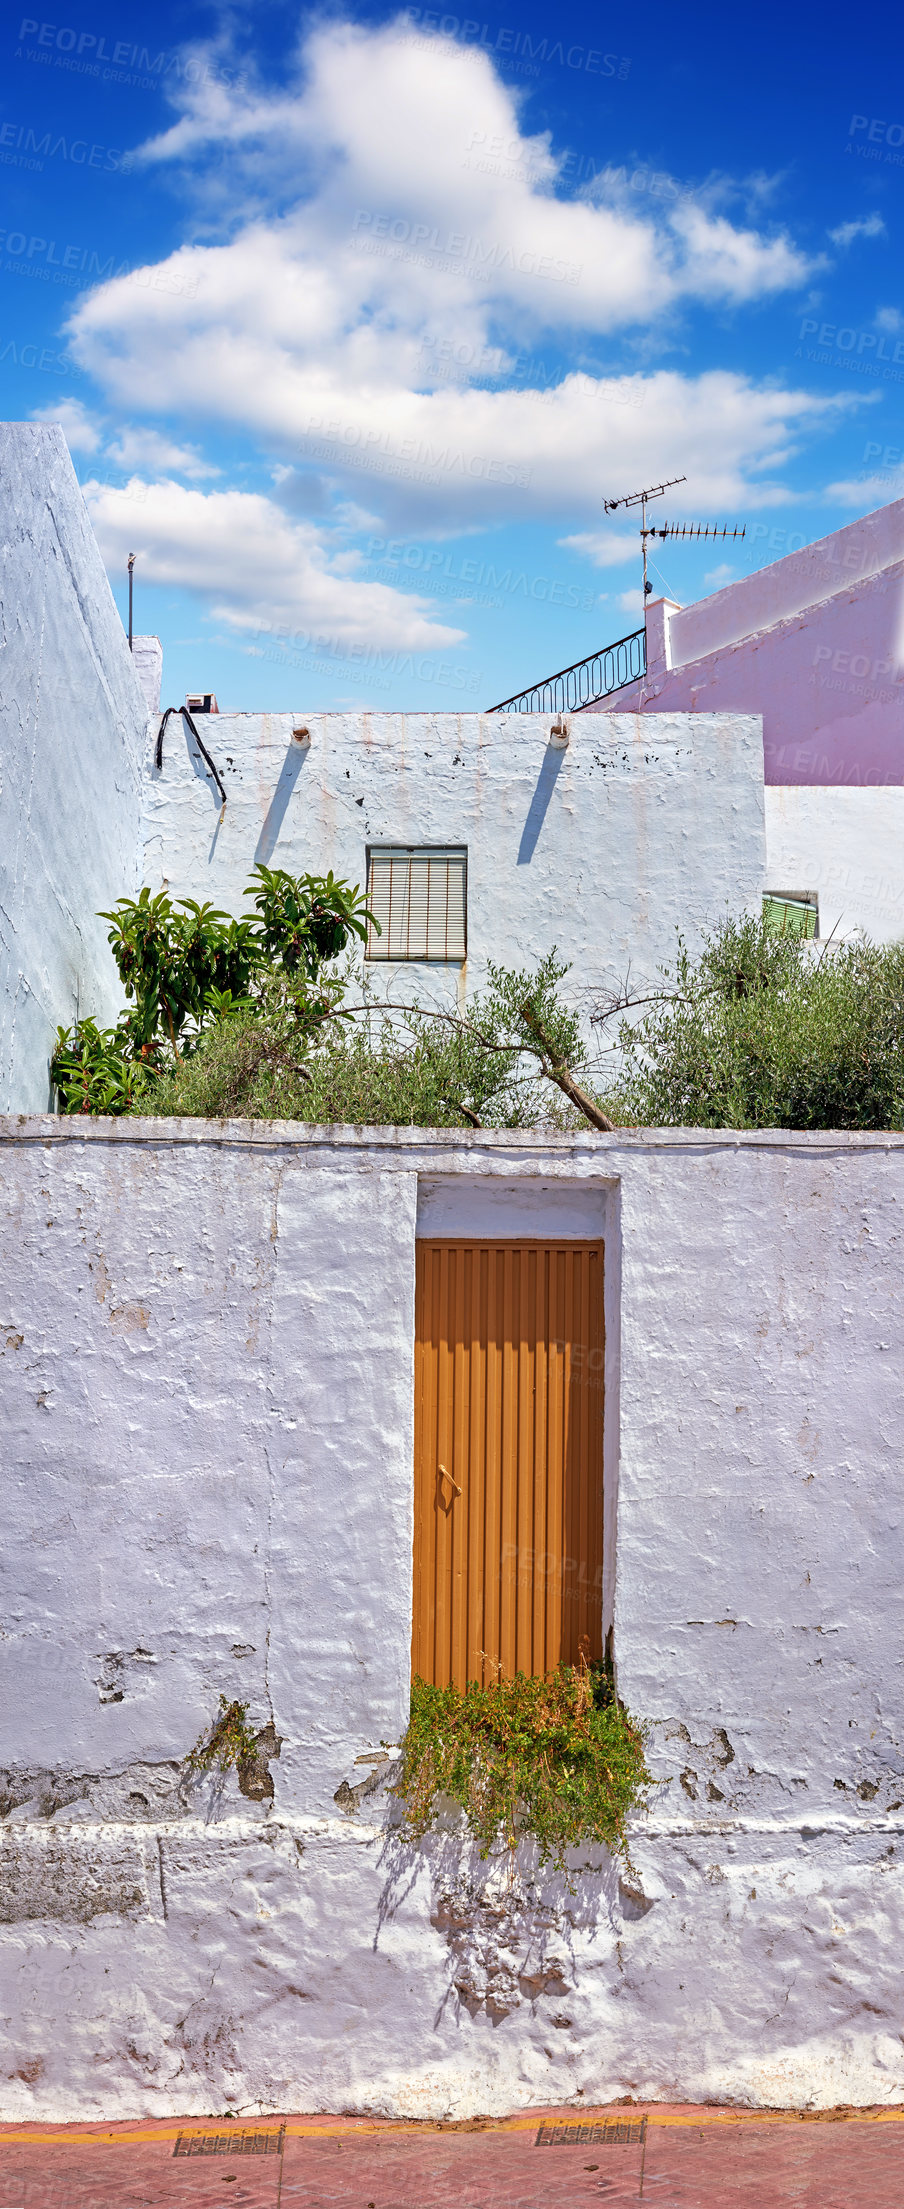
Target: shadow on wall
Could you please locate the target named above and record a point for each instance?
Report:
(539, 804)
(278, 807)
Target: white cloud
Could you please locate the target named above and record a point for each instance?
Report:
(868, 492)
(607, 548)
(132, 448)
(421, 133)
(451, 457)
(872, 226)
(142, 448)
(258, 569)
(80, 428)
(723, 263)
(319, 328)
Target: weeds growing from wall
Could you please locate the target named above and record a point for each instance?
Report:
(226, 1744)
(558, 1757)
(231, 1744)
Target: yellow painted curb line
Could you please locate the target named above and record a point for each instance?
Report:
(427, 2129)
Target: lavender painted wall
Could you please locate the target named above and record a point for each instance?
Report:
(815, 643)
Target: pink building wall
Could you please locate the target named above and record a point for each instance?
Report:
(815, 643)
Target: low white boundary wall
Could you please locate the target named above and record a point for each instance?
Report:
(207, 1466)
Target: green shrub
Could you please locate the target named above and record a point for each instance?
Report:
(240, 1020)
(558, 1757)
(92, 1072)
(185, 967)
(364, 1069)
(761, 1031)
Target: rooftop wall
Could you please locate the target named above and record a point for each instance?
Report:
(147, 660)
(72, 735)
(604, 846)
(814, 643)
(849, 558)
(207, 1452)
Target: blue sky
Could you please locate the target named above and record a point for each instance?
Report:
(354, 317)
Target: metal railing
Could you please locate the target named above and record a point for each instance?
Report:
(585, 682)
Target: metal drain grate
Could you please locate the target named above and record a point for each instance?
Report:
(230, 2143)
(590, 2136)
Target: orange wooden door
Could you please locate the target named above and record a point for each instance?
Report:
(508, 1500)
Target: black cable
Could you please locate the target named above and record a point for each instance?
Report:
(186, 716)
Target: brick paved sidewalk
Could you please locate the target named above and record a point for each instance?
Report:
(668, 2158)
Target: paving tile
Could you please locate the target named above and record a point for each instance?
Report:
(676, 2159)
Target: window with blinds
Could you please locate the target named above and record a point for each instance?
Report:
(418, 893)
(791, 915)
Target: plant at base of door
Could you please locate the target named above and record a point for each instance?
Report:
(558, 1757)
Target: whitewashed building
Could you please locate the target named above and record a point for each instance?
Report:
(73, 736)
(215, 1458)
(479, 836)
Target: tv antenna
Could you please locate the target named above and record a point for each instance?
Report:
(668, 529)
(641, 499)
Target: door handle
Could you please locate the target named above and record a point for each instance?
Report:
(444, 1474)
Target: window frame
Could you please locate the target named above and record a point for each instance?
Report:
(800, 901)
(459, 852)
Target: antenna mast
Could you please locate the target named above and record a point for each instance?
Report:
(669, 529)
(640, 498)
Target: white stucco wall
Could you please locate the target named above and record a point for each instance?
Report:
(848, 847)
(207, 1466)
(72, 739)
(604, 847)
(147, 660)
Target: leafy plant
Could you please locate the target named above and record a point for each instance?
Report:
(758, 1031)
(172, 956)
(234, 1017)
(229, 1743)
(92, 1072)
(558, 1757)
(304, 921)
(185, 966)
(396, 1066)
(538, 1022)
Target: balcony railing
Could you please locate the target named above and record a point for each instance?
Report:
(585, 682)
